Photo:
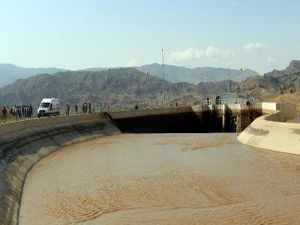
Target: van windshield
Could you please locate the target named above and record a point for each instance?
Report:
(45, 104)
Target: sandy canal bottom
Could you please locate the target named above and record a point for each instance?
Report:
(163, 179)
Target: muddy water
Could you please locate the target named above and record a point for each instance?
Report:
(163, 179)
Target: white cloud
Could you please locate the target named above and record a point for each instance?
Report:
(253, 46)
(234, 3)
(132, 63)
(191, 54)
(272, 60)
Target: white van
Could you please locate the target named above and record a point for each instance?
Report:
(48, 107)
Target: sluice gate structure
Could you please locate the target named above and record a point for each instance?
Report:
(191, 119)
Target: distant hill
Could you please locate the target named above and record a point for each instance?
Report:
(176, 74)
(293, 68)
(10, 73)
(94, 69)
(260, 87)
(122, 86)
(273, 83)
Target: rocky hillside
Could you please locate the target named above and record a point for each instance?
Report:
(259, 87)
(293, 68)
(176, 74)
(273, 83)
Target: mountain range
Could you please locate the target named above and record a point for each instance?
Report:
(273, 83)
(10, 73)
(121, 86)
(116, 86)
(174, 74)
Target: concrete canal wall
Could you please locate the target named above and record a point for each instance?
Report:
(24, 143)
(273, 133)
(190, 119)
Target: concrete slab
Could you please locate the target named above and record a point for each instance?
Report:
(134, 179)
(274, 133)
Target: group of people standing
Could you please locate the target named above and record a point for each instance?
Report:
(18, 111)
(85, 108)
(21, 111)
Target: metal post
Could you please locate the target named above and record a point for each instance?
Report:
(228, 88)
(107, 94)
(163, 73)
(147, 87)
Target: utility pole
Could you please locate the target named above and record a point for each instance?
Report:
(163, 73)
(107, 93)
(201, 91)
(147, 89)
(228, 84)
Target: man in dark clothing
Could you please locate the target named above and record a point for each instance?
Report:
(4, 113)
(85, 107)
(90, 107)
(76, 108)
(68, 110)
(30, 110)
(19, 111)
(207, 101)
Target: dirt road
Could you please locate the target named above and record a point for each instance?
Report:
(163, 179)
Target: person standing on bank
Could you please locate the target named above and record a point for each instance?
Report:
(90, 108)
(76, 108)
(68, 110)
(4, 113)
(30, 110)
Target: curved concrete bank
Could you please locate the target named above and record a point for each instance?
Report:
(273, 133)
(24, 143)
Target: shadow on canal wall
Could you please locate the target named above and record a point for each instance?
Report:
(194, 119)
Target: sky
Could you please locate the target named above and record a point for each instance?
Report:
(258, 34)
